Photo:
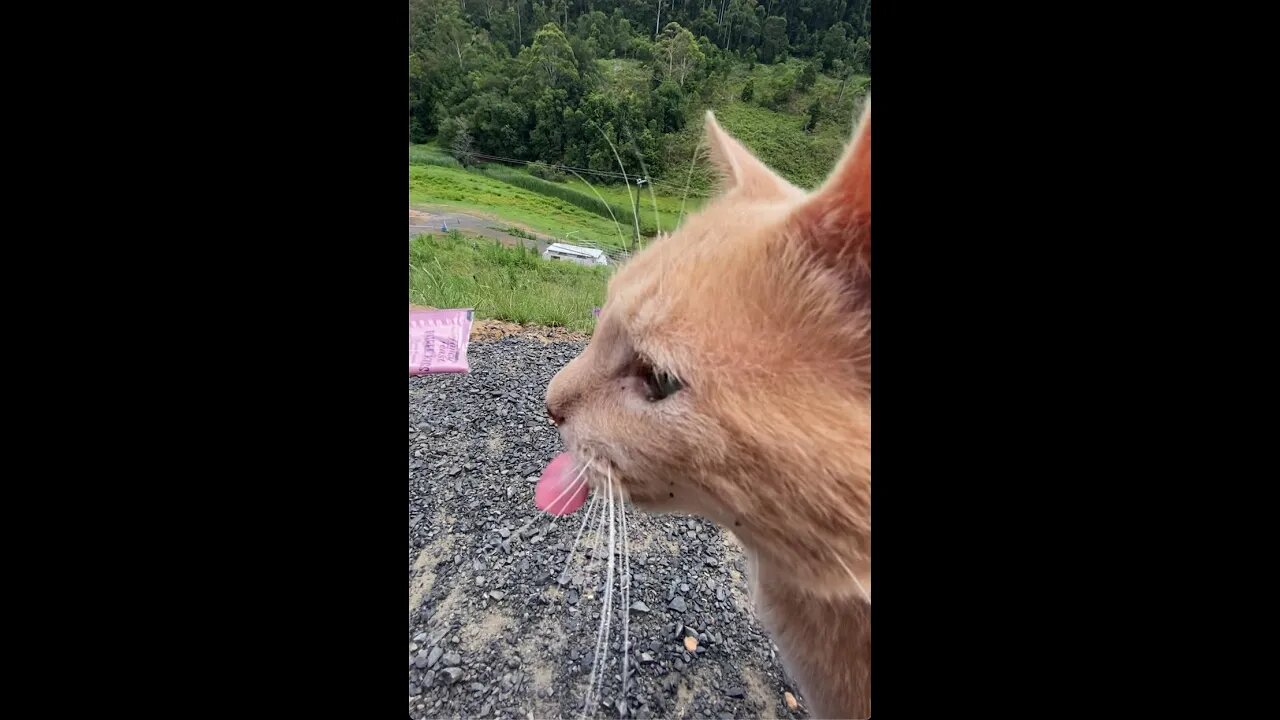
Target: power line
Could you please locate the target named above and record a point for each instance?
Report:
(599, 173)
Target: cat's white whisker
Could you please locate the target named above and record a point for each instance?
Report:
(657, 222)
(626, 588)
(689, 180)
(865, 595)
(595, 547)
(606, 205)
(564, 572)
(602, 634)
(608, 601)
(634, 215)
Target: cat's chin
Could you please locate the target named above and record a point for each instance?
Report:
(648, 503)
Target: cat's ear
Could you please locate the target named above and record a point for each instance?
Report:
(836, 219)
(741, 170)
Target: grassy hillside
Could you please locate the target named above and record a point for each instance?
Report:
(776, 134)
(503, 283)
(486, 196)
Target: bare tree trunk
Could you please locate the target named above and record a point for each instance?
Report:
(657, 21)
(843, 83)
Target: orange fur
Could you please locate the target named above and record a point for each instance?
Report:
(760, 305)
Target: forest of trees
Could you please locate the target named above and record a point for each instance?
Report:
(519, 78)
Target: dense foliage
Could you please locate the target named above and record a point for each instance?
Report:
(520, 79)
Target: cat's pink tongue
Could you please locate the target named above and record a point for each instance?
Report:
(553, 493)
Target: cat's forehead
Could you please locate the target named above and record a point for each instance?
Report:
(680, 278)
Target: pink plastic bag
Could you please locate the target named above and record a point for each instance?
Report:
(438, 341)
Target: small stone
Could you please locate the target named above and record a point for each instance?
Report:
(691, 643)
(735, 692)
(504, 533)
(790, 700)
(420, 638)
(497, 594)
(639, 606)
(476, 687)
(413, 647)
(452, 658)
(572, 599)
(451, 675)
(646, 657)
(420, 662)
(677, 603)
(513, 663)
(434, 657)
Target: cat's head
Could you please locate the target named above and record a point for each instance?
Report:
(729, 374)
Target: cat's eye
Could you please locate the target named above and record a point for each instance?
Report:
(659, 385)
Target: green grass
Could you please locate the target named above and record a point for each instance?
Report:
(431, 155)
(777, 137)
(472, 191)
(558, 209)
(668, 202)
(503, 283)
(579, 195)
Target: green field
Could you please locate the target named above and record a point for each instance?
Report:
(508, 193)
(777, 137)
(668, 204)
(504, 283)
(466, 190)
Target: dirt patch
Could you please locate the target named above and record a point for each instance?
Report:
(487, 630)
(541, 671)
(447, 608)
(482, 330)
(494, 443)
(486, 330)
(424, 576)
(691, 687)
(763, 700)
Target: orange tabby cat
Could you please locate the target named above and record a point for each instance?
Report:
(730, 376)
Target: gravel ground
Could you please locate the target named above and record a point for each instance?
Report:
(492, 630)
